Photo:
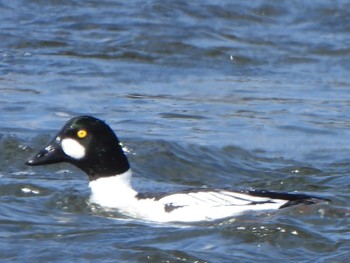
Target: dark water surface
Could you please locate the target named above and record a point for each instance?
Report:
(218, 93)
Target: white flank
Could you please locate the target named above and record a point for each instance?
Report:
(116, 192)
(73, 148)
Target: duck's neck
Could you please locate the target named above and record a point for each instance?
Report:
(106, 160)
(112, 191)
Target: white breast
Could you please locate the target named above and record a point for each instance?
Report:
(113, 191)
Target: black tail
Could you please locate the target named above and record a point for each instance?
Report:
(293, 199)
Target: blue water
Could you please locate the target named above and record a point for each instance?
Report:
(213, 93)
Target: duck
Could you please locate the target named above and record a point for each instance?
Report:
(91, 145)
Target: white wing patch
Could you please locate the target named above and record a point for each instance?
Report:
(73, 148)
(204, 205)
(211, 199)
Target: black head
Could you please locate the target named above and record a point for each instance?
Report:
(87, 143)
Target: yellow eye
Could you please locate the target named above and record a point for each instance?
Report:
(82, 134)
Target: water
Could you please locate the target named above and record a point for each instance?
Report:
(218, 93)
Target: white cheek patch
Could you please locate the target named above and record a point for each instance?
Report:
(73, 148)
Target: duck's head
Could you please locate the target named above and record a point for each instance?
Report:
(88, 143)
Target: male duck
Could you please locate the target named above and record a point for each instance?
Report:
(91, 145)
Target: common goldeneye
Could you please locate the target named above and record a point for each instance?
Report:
(91, 145)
